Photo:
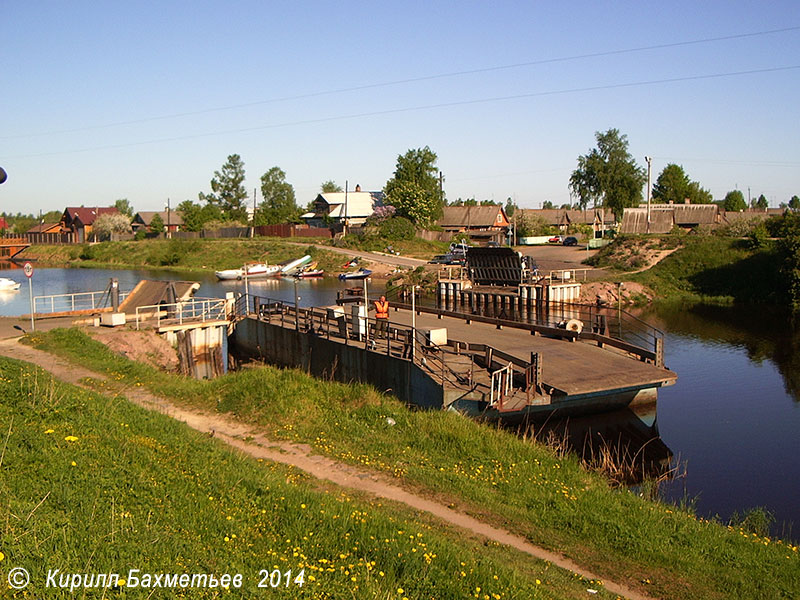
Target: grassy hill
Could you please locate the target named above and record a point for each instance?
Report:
(93, 484)
(703, 268)
(508, 481)
(201, 255)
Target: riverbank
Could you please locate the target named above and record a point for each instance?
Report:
(111, 488)
(659, 549)
(696, 268)
(184, 255)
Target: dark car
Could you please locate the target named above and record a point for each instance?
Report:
(440, 259)
(570, 241)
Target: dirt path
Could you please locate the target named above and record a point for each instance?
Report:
(301, 457)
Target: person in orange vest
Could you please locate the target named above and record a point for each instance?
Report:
(381, 317)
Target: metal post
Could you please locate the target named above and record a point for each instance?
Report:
(246, 292)
(30, 294)
(413, 322)
(296, 313)
(649, 160)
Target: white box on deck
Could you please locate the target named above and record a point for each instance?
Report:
(437, 336)
(112, 319)
(359, 315)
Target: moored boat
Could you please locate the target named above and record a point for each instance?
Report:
(252, 271)
(311, 273)
(360, 274)
(8, 285)
(293, 266)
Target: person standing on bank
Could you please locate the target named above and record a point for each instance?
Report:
(381, 317)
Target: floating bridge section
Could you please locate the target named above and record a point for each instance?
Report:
(481, 366)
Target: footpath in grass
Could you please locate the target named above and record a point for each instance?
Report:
(93, 485)
(553, 502)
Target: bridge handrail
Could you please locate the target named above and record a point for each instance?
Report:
(190, 310)
(75, 300)
(437, 353)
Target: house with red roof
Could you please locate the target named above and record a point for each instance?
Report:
(80, 219)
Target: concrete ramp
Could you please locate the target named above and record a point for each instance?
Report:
(150, 293)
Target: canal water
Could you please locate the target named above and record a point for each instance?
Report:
(731, 423)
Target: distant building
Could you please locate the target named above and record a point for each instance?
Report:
(663, 217)
(352, 208)
(46, 228)
(599, 219)
(482, 223)
(80, 219)
(173, 221)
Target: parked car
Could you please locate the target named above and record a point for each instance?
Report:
(440, 259)
(570, 241)
(556, 239)
(492, 244)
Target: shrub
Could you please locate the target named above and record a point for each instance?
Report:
(397, 228)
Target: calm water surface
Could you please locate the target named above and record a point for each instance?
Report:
(733, 417)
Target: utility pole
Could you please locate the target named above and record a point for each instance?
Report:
(169, 235)
(649, 160)
(253, 230)
(441, 187)
(344, 216)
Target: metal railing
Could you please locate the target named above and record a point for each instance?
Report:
(381, 336)
(58, 303)
(602, 324)
(192, 310)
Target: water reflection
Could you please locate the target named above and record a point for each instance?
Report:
(625, 445)
(764, 332)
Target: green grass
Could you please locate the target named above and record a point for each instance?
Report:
(519, 485)
(415, 248)
(199, 255)
(705, 268)
(93, 484)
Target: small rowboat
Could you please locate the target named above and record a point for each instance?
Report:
(360, 274)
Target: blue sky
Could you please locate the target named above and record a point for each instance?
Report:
(145, 100)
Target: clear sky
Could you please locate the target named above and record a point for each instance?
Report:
(145, 100)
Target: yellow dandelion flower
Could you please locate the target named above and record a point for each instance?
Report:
(74, 464)
(50, 431)
(400, 590)
(2, 556)
(70, 438)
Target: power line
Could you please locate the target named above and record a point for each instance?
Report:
(418, 108)
(413, 80)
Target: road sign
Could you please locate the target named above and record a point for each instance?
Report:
(28, 270)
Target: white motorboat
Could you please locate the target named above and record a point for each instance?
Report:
(8, 285)
(294, 265)
(258, 270)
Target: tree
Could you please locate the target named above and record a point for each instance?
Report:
(157, 224)
(762, 203)
(227, 190)
(109, 223)
(414, 190)
(673, 185)
(794, 203)
(608, 174)
(124, 207)
(548, 204)
(699, 195)
(330, 187)
(734, 201)
(279, 204)
(510, 208)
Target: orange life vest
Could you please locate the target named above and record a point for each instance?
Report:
(382, 309)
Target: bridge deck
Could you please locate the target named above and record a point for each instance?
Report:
(575, 368)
